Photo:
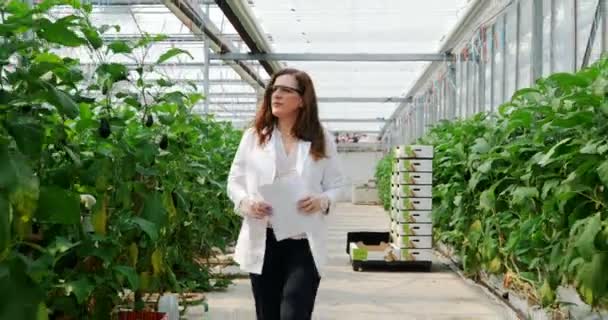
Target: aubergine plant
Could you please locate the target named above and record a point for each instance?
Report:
(524, 192)
(108, 181)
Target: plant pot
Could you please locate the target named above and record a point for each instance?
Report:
(142, 315)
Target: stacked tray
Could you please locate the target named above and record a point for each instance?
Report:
(411, 226)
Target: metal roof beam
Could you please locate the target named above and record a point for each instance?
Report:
(166, 64)
(240, 116)
(244, 22)
(172, 37)
(379, 57)
(352, 99)
(224, 102)
(139, 2)
(190, 13)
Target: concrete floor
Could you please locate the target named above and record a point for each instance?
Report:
(345, 294)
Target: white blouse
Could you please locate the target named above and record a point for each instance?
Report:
(286, 167)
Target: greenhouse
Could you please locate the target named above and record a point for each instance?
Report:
(291, 159)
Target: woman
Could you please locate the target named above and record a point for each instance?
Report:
(286, 140)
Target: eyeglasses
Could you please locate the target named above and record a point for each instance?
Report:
(285, 89)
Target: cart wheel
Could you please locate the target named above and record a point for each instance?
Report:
(429, 267)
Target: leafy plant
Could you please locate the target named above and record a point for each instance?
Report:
(524, 192)
(384, 170)
(108, 181)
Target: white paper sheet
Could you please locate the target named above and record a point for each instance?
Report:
(287, 221)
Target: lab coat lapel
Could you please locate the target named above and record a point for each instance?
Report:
(269, 163)
(303, 150)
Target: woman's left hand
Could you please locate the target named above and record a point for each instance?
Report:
(313, 204)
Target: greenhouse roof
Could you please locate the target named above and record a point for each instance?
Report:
(355, 95)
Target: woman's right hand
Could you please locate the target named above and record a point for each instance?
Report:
(256, 209)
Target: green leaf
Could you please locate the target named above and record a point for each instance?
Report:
(5, 224)
(63, 102)
(61, 245)
(602, 172)
(164, 83)
(16, 8)
(114, 71)
(148, 227)
(486, 166)
(81, 289)
(547, 158)
(585, 244)
(521, 194)
(592, 276)
(120, 47)
(48, 57)
(42, 312)
(25, 294)
(575, 119)
(548, 186)
(60, 33)
(131, 275)
(172, 53)
(604, 107)
(154, 211)
(93, 37)
(591, 147)
(520, 118)
(8, 176)
(487, 200)
(481, 146)
(28, 134)
(57, 205)
(568, 80)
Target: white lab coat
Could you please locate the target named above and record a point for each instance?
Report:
(254, 166)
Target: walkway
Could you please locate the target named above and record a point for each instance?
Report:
(345, 294)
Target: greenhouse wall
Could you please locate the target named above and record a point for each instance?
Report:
(511, 44)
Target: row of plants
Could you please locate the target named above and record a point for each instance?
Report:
(524, 192)
(109, 182)
(383, 173)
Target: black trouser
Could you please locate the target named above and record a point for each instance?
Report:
(287, 287)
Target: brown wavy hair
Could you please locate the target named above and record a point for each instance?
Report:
(307, 127)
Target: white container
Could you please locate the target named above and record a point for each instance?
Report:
(169, 304)
(416, 254)
(412, 229)
(406, 216)
(415, 204)
(412, 242)
(412, 191)
(413, 165)
(414, 151)
(415, 178)
(382, 252)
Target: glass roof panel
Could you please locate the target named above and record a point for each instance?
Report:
(299, 26)
(358, 26)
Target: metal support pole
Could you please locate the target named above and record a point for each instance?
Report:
(481, 84)
(605, 26)
(504, 61)
(517, 46)
(420, 117)
(591, 40)
(492, 71)
(452, 92)
(575, 46)
(206, 68)
(465, 82)
(552, 38)
(536, 55)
